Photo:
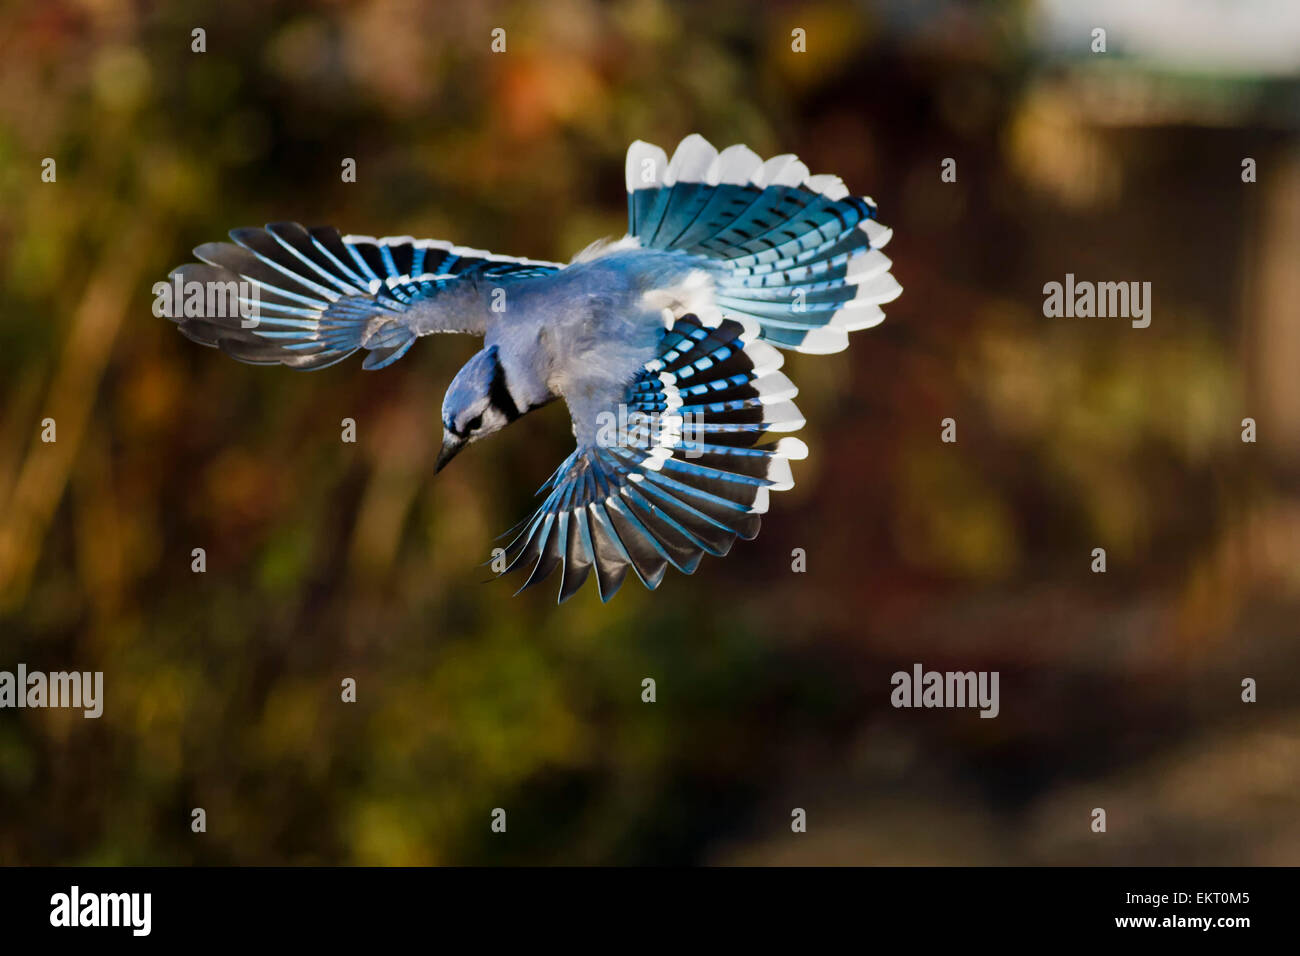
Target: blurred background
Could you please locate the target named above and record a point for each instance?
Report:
(328, 560)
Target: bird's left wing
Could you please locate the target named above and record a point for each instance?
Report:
(309, 297)
(674, 472)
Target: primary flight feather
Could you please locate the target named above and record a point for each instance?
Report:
(664, 344)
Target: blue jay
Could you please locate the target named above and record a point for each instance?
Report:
(664, 344)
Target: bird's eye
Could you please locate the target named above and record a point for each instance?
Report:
(473, 424)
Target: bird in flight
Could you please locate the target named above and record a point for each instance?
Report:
(665, 345)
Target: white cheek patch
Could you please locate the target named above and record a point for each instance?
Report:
(493, 420)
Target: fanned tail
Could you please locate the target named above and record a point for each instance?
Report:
(800, 256)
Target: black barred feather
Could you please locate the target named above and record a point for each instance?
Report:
(673, 488)
(799, 255)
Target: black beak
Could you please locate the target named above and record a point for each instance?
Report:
(451, 445)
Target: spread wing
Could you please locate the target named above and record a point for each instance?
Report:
(676, 472)
(312, 297)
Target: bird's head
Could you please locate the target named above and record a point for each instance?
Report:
(478, 403)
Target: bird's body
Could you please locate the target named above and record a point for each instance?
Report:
(660, 344)
(581, 334)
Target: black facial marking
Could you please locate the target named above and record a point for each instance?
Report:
(499, 392)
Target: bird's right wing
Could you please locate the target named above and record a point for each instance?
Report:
(311, 297)
(677, 471)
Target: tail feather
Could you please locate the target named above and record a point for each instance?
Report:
(797, 253)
